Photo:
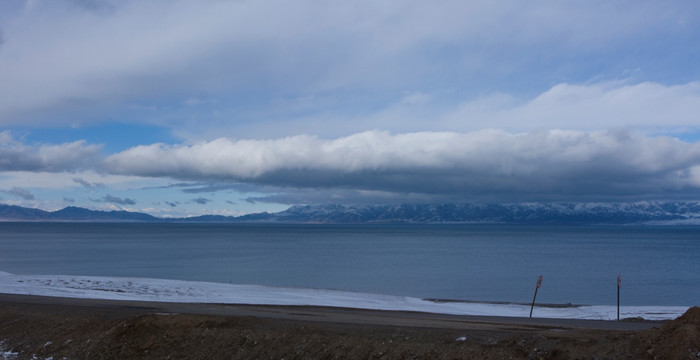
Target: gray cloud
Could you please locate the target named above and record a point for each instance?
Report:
(20, 193)
(171, 186)
(201, 200)
(207, 188)
(68, 200)
(115, 200)
(16, 156)
(485, 164)
(87, 184)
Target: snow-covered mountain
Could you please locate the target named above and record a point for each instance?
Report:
(653, 212)
(517, 213)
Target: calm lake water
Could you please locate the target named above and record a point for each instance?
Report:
(659, 265)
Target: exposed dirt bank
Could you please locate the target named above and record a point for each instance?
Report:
(42, 328)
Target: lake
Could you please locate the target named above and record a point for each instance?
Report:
(659, 265)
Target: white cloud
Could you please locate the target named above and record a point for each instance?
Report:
(648, 107)
(16, 156)
(490, 163)
(593, 106)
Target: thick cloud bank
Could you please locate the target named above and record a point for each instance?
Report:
(490, 163)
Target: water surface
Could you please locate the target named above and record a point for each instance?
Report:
(659, 265)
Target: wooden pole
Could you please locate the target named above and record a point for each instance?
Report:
(539, 283)
(619, 281)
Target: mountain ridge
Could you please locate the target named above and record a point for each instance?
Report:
(646, 212)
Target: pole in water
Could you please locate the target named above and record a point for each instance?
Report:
(539, 283)
(619, 282)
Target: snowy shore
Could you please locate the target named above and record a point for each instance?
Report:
(117, 288)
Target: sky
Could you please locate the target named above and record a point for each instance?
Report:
(189, 107)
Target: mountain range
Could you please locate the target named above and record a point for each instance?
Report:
(655, 212)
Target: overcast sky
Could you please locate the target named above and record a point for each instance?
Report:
(185, 107)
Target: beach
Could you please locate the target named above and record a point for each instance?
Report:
(38, 327)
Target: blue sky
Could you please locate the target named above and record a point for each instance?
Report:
(183, 107)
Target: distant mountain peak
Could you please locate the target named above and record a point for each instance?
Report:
(70, 213)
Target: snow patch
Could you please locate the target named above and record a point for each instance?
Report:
(142, 289)
(6, 354)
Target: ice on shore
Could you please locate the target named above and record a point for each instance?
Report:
(140, 289)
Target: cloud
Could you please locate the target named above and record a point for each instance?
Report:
(115, 200)
(274, 47)
(20, 193)
(68, 200)
(87, 184)
(64, 181)
(274, 98)
(650, 107)
(485, 164)
(16, 156)
(170, 186)
(208, 188)
(359, 197)
(595, 106)
(201, 200)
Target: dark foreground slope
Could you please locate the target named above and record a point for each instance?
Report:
(32, 327)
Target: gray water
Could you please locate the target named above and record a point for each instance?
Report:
(659, 265)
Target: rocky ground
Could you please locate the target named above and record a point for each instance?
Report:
(51, 330)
